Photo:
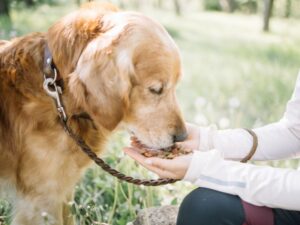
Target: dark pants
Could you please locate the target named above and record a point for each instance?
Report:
(208, 207)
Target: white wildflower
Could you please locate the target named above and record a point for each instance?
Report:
(71, 203)
(224, 123)
(234, 102)
(200, 102)
(201, 120)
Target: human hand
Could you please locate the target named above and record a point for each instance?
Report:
(193, 139)
(165, 168)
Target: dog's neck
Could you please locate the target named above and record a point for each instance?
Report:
(24, 105)
(22, 75)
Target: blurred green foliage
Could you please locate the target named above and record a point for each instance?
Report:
(233, 75)
(213, 5)
(282, 7)
(100, 197)
(5, 212)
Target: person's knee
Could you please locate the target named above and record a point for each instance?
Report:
(200, 204)
(205, 206)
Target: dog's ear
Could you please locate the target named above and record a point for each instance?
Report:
(69, 36)
(101, 81)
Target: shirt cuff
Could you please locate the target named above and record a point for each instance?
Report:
(200, 162)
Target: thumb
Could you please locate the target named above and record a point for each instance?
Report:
(187, 144)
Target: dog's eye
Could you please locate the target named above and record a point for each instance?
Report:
(156, 90)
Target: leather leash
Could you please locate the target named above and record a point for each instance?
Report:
(53, 85)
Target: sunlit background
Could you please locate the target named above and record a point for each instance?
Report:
(240, 61)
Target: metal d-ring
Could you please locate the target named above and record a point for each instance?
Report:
(55, 75)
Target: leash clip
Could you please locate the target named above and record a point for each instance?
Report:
(55, 91)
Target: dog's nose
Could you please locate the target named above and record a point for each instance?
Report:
(180, 136)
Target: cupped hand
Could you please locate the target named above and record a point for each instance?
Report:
(165, 168)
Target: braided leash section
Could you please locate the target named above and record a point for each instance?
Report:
(92, 155)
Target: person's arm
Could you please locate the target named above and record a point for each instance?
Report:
(258, 185)
(275, 141)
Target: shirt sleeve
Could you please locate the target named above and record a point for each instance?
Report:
(275, 141)
(258, 185)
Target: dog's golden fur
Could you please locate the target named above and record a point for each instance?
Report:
(119, 67)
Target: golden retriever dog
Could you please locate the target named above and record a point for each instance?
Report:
(120, 68)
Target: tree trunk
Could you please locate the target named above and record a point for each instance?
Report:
(121, 4)
(228, 5)
(159, 3)
(137, 4)
(4, 7)
(177, 7)
(268, 7)
(29, 3)
(288, 8)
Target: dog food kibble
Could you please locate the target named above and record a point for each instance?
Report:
(167, 153)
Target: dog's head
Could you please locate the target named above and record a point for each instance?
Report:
(122, 68)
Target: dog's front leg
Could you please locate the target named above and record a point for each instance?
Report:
(67, 215)
(41, 210)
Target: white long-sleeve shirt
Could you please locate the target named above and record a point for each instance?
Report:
(218, 168)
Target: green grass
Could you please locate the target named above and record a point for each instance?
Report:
(234, 76)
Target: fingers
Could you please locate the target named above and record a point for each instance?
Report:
(135, 155)
(193, 139)
(191, 128)
(165, 168)
(187, 144)
(153, 164)
(147, 162)
(139, 158)
(160, 172)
